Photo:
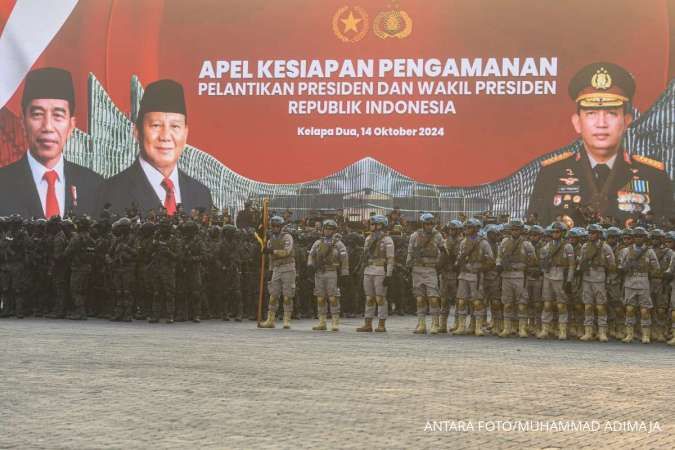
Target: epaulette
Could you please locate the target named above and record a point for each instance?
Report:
(556, 158)
(649, 162)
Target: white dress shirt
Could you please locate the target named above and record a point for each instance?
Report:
(155, 179)
(594, 163)
(38, 171)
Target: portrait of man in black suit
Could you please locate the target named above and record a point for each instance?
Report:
(42, 183)
(154, 181)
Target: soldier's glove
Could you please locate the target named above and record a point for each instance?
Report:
(268, 250)
(387, 281)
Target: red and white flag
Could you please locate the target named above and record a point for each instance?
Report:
(31, 26)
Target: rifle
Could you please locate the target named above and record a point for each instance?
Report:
(464, 257)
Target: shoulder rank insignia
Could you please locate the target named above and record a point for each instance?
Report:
(649, 162)
(556, 158)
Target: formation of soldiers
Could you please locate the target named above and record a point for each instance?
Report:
(506, 280)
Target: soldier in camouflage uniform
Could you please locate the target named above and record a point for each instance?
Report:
(250, 273)
(514, 256)
(190, 271)
(214, 272)
(558, 264)
(595, 261)
(616, 317)
(424, 256)
(492, 286)
(534, 281)
(81, 253)
(397, 292)
(39, 267)
(162, 271)
(669, 277)
(282, 263)
(658, 286)
(144, 268)
(231, 258)
(636, 264)
(352, 290)
(122, 262)
(328, 259)
(448, 273)
(56, 266)
(474, 258)
(379, 256)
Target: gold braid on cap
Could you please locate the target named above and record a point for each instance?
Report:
(601, 100)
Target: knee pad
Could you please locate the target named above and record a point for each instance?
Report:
(461, 303)
(588, 309)
(273, 300)
(379, 300)
(370, 301)
(288, 301)
(562, 308)
(548, 307)
(661, 312)
(508, 307)
(602, 310)
(320, 301)
(333, 301)
(477, 305)
(645, 313)
(522, 308)
(433, 302)
(421, 303)
(630, 310)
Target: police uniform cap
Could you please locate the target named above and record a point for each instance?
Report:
(602, 85)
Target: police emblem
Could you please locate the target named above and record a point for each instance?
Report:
(350, 24)
(392, 24)
(601, 79)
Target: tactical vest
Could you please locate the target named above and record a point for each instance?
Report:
(326, 254)
(642, 264)
(513, 251)
(425, 245)
(377, 257)
(560, 257)
(277, 243)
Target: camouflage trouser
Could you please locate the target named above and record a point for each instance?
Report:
(123, 279)
(535, 304)
(661, 299)
(617, 312)
(79, 287)
(448, 291)
(514, 293)
(552, 293)
(5, 290)
(634, 298)
(233, 303)
(322, 304)
(594, 296)
(493, 297)
(191, 280)
(164, 292)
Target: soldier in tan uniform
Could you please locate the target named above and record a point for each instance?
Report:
(533, 280)
(379, 254)
(492, 282)
(327, 258)
(475, 256)
(448, 274)
(282, 262)
(557, 261)
(615, 312)
(636, 264)
(595, 261)
(658, 286)
(515, 254)
(424, 255)
(669, 277)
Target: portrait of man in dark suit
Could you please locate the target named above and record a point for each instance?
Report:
(154, 181)
(603, 178)
(42, 183)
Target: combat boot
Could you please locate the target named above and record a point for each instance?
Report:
(380, 326)
(545, 330)
(611, 330)
(522, 328)
(508, 328)
(619, 332)
(335, 326)
(588, 333)
(472, 324)
(629, 335)
(602, 334)
(367, 326)
(672, 341)
(322, 323)
(658, 334)
(454, 326)
(460, 330)
(287, 320)
(421, 326)
(562, 331)
(479, 327)
(434, 325)
(269, 323)
(169, 319)
(498, 326)
(646, 334)
(443, 326)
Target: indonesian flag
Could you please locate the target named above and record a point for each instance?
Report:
(30, 27)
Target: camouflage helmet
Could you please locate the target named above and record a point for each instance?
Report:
(516, 224)
(427, 218)
(379, 219)
(536, 229)
(189, 227)
(229, 229)
(165, 224)
(558, 226)
(595, 228)
(276, 221)
(492, 228)
(15, 219)
(506, 227)
(670, 236)
(455, 225)
(626, 232)
(576, 232)
(639, 231)
(83, 223)
(656, 233)
(613, 232)
(473, 222)
(68, 224)
(214, 230)
(329, 224)
(147, 228)
(122, 224)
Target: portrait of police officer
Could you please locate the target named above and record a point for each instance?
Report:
(42, 183)
(154, 180)
(603, 176)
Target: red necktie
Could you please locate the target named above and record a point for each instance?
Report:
(170, 200)
(52, 204)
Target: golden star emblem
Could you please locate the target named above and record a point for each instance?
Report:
(350, 23)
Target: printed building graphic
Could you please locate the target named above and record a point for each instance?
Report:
(364, 186)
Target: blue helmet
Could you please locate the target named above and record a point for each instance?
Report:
(473, 223)
(613, 231)
(276, 220)
(379, 219)
(455, 225)
(427, 218)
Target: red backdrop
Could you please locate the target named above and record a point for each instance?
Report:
(488, 138)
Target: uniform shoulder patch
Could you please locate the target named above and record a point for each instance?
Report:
(556, 158)
(649, 162)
